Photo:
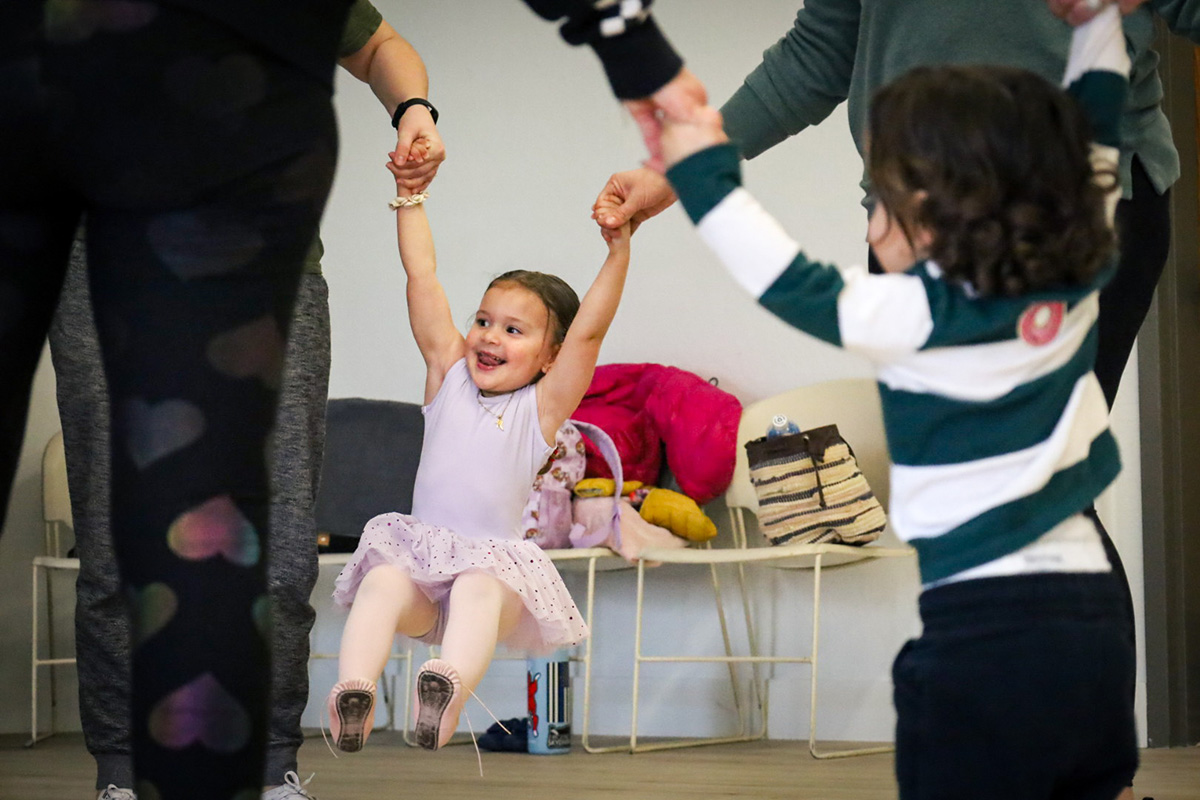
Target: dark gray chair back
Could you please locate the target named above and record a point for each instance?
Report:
(371, 452)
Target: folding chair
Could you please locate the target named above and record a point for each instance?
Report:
(56, 524)
(854, 406)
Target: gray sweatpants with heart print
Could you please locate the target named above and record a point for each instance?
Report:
(102, 627)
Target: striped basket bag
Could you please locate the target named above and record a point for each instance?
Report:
(810, 490)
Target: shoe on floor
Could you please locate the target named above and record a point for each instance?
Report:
(507, 736)
(438, 703)
(351, 713)
(113, 792)
(290, 789)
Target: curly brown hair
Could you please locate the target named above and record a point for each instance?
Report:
(994, 163)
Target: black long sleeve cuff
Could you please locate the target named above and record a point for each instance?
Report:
(639, 62)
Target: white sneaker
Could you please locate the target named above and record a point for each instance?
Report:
(290, 789)
(113, 792)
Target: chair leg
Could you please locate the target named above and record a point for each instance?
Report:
(638, 658)
(587, 657)
(408, 695)
(410, 737)
(759, 694)
(386, 686)
(587, 669)
(50, 650)
(733, 682)
(33, 665)
(637, 652)
(812, 719)
(36, 661)
(758, 688)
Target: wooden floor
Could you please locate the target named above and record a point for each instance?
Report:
(60, 769)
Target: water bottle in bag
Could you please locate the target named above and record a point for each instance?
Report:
(781, 426)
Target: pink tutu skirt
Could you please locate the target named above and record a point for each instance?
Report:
(433, 556)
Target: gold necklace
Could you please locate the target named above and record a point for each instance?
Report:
(499, 417)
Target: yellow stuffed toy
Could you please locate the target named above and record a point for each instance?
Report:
(679, 514)
(665, 508)
(603, 487)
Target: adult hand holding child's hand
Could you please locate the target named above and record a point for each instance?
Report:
(682, 138)
(419, 151)
(632, 197)
(617, 237)
(418, 154)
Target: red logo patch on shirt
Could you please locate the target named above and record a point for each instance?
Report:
(1041, 322)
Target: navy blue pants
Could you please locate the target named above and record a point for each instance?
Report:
(203, 167)
(1019, 687)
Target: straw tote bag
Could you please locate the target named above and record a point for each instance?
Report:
(810, 490)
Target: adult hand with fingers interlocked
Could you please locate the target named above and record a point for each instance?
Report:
(419, 149)
(633, 197)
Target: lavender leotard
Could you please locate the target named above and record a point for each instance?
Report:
(471, 487)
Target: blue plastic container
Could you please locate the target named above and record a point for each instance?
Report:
(549, 681)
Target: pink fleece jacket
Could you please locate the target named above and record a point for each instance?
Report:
(651, 409)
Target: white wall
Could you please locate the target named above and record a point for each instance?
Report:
(532, 133)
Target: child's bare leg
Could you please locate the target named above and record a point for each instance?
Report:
(387, 602)
(1126, 793)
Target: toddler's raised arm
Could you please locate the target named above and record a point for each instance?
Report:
(440, 343)
(1097, 76)
(564, 385)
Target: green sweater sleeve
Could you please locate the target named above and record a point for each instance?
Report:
(1181, 16)
(801, 79)
(364, 19)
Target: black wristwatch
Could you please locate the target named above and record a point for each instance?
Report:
(407, 104)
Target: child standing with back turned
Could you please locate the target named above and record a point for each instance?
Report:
(994, 228)
(458, 572)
